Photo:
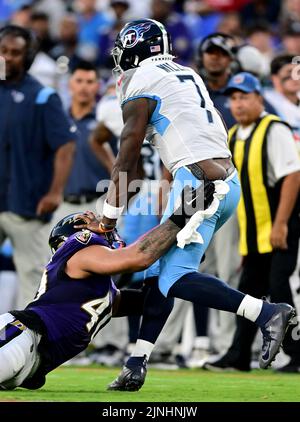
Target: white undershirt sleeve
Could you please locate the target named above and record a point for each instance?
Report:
(283, 158)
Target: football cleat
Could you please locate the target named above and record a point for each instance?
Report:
(225, 363)
(130, 379)
(274, 331)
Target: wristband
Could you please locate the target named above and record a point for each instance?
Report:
(112, 212)
(105, 228)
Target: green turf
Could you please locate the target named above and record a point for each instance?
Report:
(89, 384)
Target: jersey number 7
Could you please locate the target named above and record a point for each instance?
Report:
(184, 78)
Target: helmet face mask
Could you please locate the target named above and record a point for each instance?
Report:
(60, 241)
(116, 53)
(139, 40)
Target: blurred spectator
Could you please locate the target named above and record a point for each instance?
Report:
(139, 9)
(250, 60)
(108, 37)
(200, 25)
(291, 39)
(109, 118)
(230, 24)
(45, 70)
(21, 16)
(285, 97)
(91, 24)
(36, 151)
(88, 168)
(261, 10)
(216, 57)
(55, 9)
(162, 11)
(66, 52)
(8, 8)
(260, 37)
(40, 26)
(290, 13)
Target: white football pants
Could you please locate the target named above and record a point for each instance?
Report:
(19, 358)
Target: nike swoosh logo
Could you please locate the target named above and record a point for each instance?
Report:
(190, 202)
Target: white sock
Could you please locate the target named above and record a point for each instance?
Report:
(141, 348)
(250, 308)
(201, 342)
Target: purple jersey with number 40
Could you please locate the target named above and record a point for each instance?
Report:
(72, 310)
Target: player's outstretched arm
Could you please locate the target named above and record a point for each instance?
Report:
(136, 257)
(136, 115)
(147, 249)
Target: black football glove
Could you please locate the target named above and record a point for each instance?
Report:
(193, 200)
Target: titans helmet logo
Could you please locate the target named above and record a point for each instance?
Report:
(132, 35)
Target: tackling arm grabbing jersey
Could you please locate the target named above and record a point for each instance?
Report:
(76, 297)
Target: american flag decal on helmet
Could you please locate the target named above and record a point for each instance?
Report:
(155, 48)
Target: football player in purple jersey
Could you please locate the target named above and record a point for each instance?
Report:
(77, 296)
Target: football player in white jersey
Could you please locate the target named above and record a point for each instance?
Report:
(170, 106)
(157, 307)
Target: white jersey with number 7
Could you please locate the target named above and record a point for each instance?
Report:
(185, 126)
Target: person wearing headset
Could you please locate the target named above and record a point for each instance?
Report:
(36, 152)
(219, 58)
(216, 58)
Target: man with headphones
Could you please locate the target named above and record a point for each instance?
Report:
(36, 151)
(216, 60)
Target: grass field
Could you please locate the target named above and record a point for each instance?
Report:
(89, 385)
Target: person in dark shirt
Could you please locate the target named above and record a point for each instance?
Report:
(36, 151)
(216, 55)
(217, 63)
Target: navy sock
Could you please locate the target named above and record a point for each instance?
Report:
(157, 309)
(135, 361)
(266, 312)
(207, 290)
